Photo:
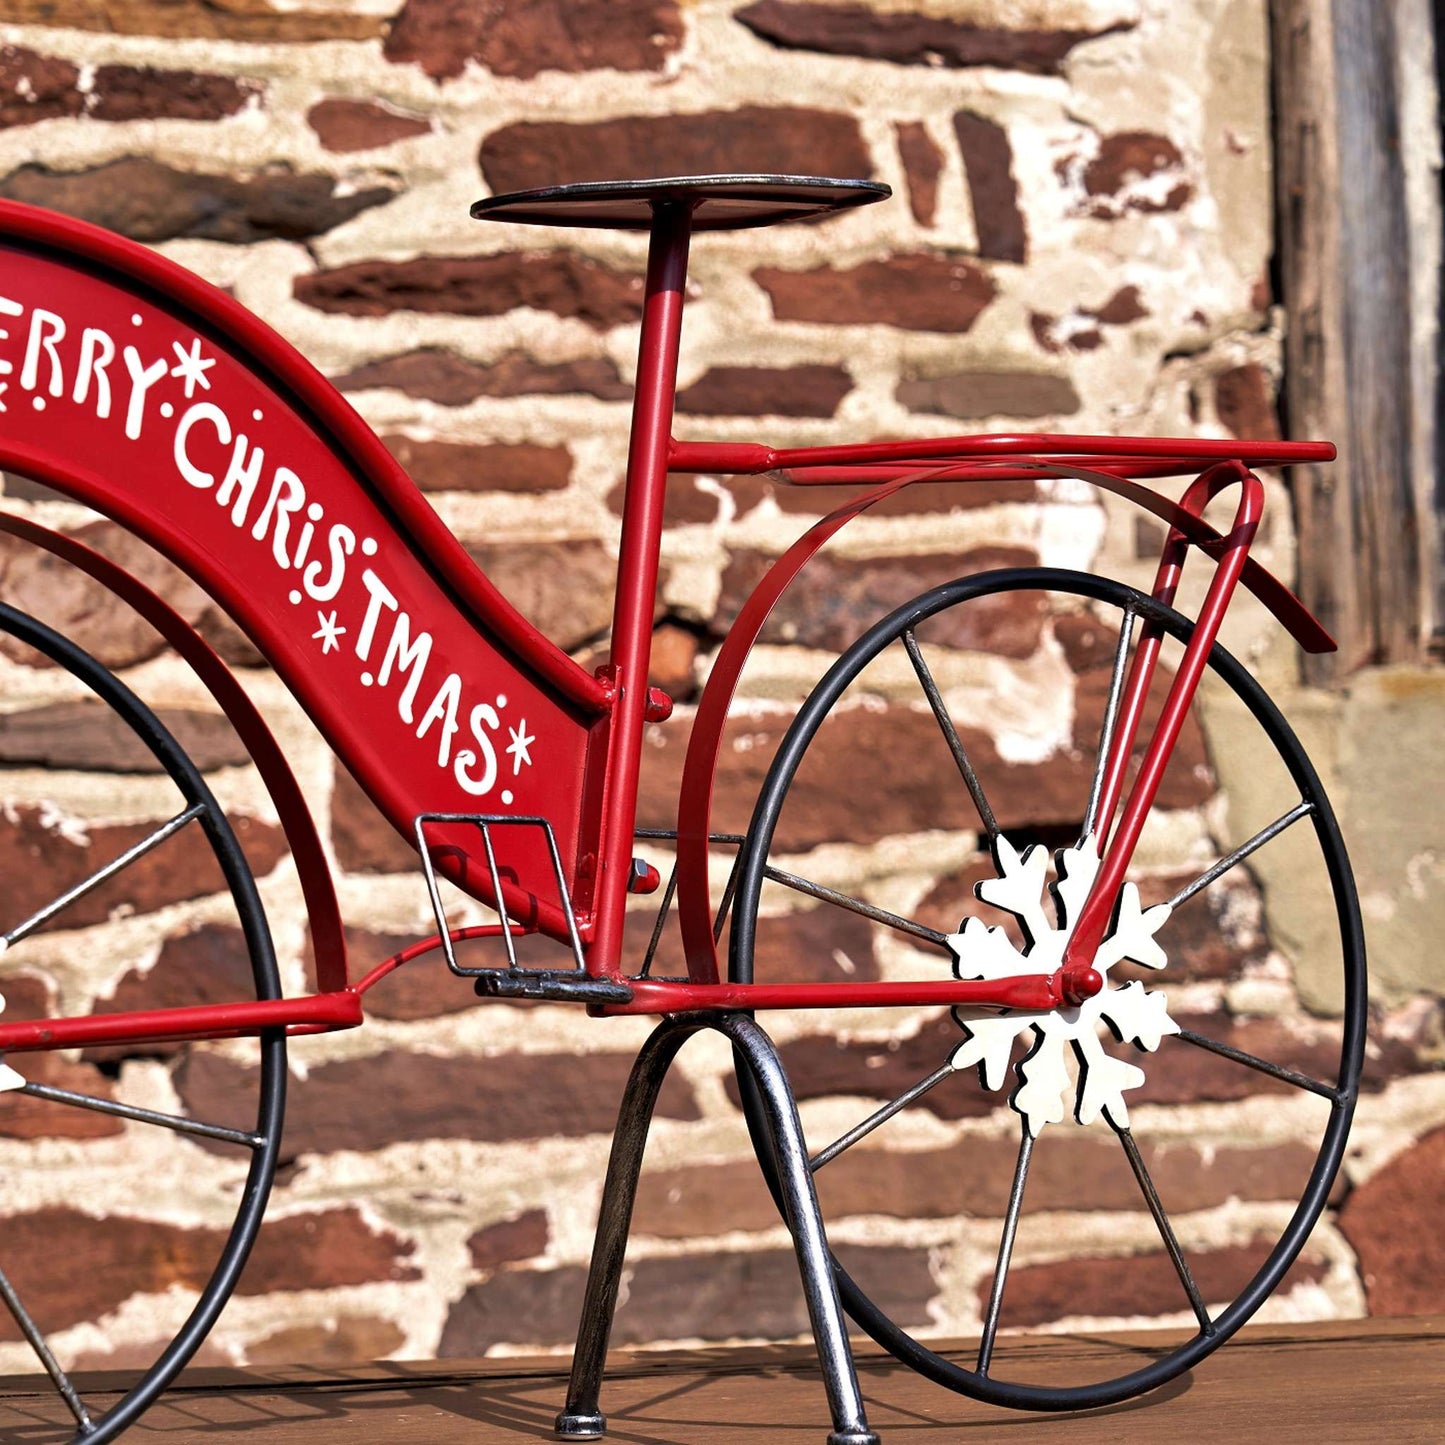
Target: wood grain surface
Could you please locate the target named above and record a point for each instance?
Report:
(1317, 1384)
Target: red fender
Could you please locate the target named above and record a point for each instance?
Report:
(700, 766)
(328, 940)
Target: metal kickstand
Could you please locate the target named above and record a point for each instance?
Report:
(582, 1419)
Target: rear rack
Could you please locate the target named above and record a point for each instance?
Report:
(563, 985)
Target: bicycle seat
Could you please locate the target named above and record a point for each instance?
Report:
(719, 203)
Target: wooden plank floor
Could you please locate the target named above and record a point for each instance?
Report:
(1329, 1384)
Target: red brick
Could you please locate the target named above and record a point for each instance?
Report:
(1056, 334)
(835, 600)
(717, 1296)
(911, 39)
(688, 504)
(24, 1117)
(361, 125)
(1182, 1073)
(988, 168)
(440, 466)
(819, 1067)
(363, 840)
(813, 390)
(125, 92)
(850, 788)
(1188, 779)
(208, 965)
(813, 945)
(1212, 935)
(924, 499)
(952, 899)
(89, 737)
(1244, 402)
(1130, 171)
(38, 87)
(42, 864)
(69, 1267)
(148, 201)
(522, 38)
(922, 166)
(1071, 1169)
(510, 1240)
(395, 1097)
(1086, 641)
(760, 139)
(916, 292)
(1138, 1285)
(703, 1199)
(709, 1296)
(442, 376)
(561, 282)
(538, 1307)
(1392, 1222)
(973, 395)
(196, 19)
(68, 600)
(674, 656)
(325, 1249)
(422, 989)
(685, 503)
(1054, 338)
(1124, 306)
(563, 589)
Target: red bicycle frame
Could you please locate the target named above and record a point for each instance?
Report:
(141, 391)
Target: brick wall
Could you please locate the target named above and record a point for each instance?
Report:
(1079, 240)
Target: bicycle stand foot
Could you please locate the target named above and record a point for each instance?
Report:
(853, 1437)
(575, 1425)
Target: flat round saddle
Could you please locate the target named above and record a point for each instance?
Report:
(717, 203)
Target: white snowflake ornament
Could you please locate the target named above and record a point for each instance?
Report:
(1131, 1012)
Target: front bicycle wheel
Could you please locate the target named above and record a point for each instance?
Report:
(1173, 1141)
(135, 1175)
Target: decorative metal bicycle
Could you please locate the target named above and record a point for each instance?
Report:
(135, 388)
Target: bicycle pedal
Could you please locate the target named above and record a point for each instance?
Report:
(551, 986)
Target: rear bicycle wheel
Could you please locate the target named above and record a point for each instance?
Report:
(129, 1211)
(1205, 1028)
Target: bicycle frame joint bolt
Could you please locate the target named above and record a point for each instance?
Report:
(643, 877)
(659, 705)
(1079, 983)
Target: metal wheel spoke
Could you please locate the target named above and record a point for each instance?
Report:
(1005, 1251)
(660, 924)
(1262, 1066)
(1273, 830)
(950, 733)
(1111, 718)
(881, 1116)
(856, 905)
(136, 850)
(36, 1340)
(726, 903)
(1166, 1230)
(144, 1116)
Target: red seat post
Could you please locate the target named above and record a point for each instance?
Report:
(637, 568)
